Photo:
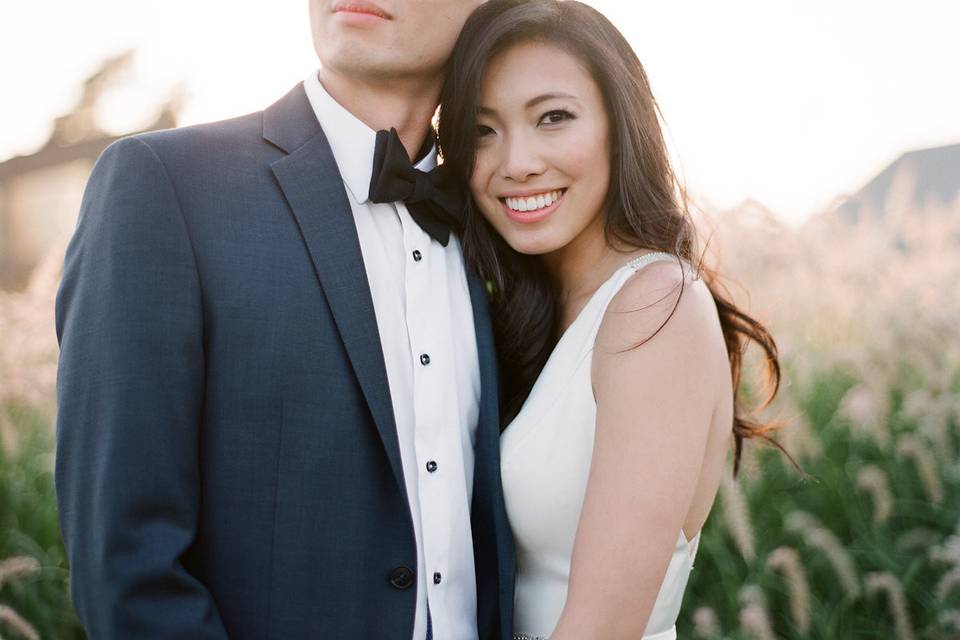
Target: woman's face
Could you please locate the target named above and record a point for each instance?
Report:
(543, 152)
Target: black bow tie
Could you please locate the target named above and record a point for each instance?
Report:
(433, 198)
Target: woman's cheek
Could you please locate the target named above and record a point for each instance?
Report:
(580, 148)
(480, 181)
(476, 186)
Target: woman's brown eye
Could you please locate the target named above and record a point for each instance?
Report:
(556, 116)
(483, 130)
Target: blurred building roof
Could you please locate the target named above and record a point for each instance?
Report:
(77, 134)
(916, 179)
(40, 193)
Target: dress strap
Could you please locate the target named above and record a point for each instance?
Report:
(602, 297)
(657, 256)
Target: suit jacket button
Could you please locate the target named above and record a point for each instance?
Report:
(402, 578)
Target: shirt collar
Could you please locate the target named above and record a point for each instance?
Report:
(351, 141)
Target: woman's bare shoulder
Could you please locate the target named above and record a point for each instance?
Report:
(664, 303)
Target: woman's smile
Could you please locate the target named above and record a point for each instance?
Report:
(533, 207)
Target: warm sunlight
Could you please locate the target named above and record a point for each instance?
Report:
(276, 375)
(791, 104)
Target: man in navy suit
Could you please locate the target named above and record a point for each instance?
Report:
(277, 390)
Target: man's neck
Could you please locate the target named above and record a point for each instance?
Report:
(406, 105)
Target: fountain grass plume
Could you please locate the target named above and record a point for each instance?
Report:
(818, 536)
(787, 561)
(916, 538)
(755, 614)
(736, 516)
(897, 603)
(914, 449)
(15, 621)
(18, 567)
(706, 623)
(946, 584)
(874, 481)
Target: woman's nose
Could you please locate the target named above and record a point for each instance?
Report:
(520, 159)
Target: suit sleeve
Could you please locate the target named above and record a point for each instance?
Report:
(130, 388)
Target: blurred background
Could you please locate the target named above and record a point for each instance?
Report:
(820, 143)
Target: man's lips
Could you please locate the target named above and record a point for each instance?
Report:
(363, 8)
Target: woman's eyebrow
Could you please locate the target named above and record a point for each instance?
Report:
(532, 102)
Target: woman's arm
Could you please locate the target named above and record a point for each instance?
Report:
(654, 408)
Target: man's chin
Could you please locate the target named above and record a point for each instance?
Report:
(359, 60)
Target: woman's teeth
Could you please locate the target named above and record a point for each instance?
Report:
(532, 203)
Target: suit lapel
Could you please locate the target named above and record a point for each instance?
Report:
(489, 384)
(313, 187)
(488, 491)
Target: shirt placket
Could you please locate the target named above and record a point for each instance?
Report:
(432, 374)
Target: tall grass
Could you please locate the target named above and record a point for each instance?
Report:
(33, 567)
(867, 547)
(863, 576)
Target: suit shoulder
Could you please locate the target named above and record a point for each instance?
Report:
(208, 137)
(226, 148)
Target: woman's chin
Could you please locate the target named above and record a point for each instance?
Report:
(531, 244)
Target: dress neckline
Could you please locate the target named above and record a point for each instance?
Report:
(549, 365)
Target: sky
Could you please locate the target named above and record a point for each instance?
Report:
(791, 103)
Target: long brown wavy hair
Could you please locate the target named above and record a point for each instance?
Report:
(645, 203)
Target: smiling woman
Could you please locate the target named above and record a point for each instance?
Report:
(542, 146)
(620, 355)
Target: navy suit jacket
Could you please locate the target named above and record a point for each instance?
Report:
(228, 462)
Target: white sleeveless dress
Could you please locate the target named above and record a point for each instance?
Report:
(545, 457)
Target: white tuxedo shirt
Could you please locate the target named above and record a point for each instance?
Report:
(425, 319)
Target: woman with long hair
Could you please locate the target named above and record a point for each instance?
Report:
(620, 355)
